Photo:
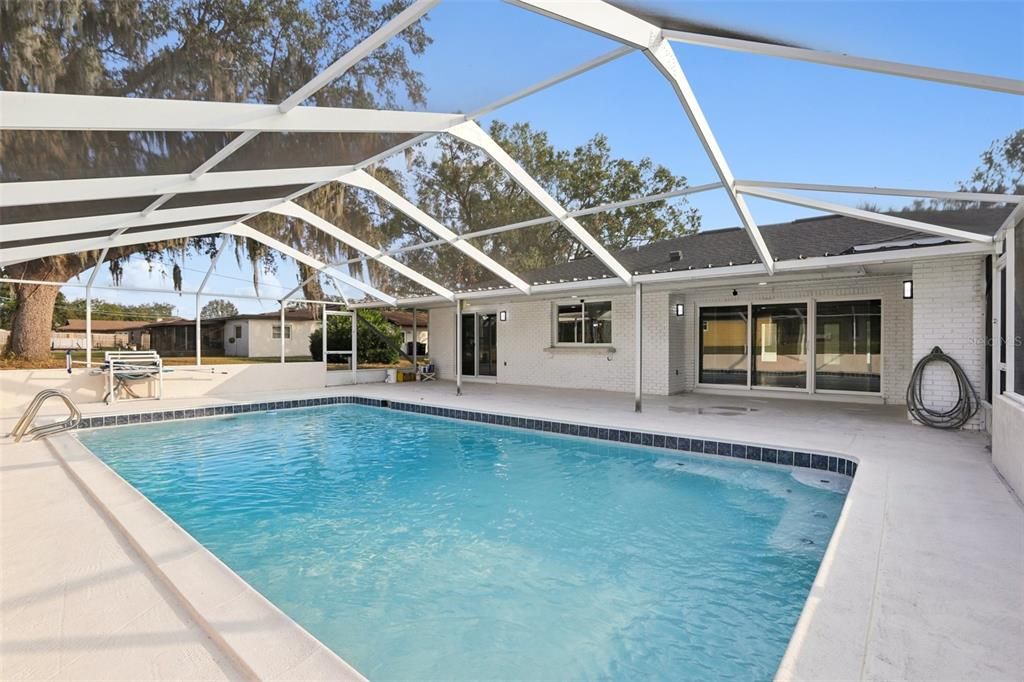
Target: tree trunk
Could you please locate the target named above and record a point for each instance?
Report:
(32, 323)
(311, 289)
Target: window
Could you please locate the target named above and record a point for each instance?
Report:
(848, 345)
(584, 322)
(723, 345)
(287, 331)
(780, 345)
(238, 331)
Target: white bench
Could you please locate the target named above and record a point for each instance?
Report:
(126, 366)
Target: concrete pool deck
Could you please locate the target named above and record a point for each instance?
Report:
(921, 581)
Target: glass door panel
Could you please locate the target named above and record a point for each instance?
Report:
(487, 345)
(780, 345)
(468, 360)
(724, 355)
(848, 346)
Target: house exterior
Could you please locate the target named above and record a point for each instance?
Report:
(105, 334)
(403, 319)
(258, 336)
(251, 336)
(842, 333)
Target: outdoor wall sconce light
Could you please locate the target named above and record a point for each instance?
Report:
(908, 288)
(503, 316)
(680, 309)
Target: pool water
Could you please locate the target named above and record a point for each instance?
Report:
(418, 547)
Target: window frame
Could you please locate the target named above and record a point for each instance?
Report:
(811, 388)
(275, 332)
(582, 302)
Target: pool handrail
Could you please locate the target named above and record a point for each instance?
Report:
(21, 429)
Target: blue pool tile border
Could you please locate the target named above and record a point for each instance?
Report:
(719, 448)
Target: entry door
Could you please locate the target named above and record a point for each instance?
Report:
(479, 345)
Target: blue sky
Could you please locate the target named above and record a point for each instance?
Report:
(774, 119)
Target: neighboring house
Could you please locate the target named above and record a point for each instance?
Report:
(258, 336)
(846, 315)
(251, 336)
(178, 337)
(403, 319)
(132, 334)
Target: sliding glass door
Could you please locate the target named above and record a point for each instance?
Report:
(780, 345)
(766, 346)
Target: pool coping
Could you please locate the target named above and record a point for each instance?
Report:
(262, 641)
(189, 583)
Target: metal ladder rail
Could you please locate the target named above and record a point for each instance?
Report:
(21, 429)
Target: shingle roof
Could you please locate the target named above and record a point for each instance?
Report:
(830, 235)
(295, 315)
(403, 318)
(75, 325)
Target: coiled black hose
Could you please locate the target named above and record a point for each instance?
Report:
(967, 403)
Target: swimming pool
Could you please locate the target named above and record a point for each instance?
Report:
(420, 547)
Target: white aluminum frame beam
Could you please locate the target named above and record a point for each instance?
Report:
(870, 216)
(613, 206)
(392, 28)
(1016, 215)
(10, 256)
(610, 21)
(981, 197)
(243, 230)
(153, 290)
(117, 221)
(364, 180)
(525, 92)
(473, 134)
(293, 210)
(94, 189)
(947, 76)
(47, 111)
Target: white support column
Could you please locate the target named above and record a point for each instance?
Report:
(997, 315)
(88, 306)
(355, 344)
(458, 347)
(415, 344)
(199, 333)
(202, 285)
(282, 331)
(1010, 311)
(638, 364)
(473, 134)
(323, 335)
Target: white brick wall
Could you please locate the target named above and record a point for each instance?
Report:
(949, 312)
